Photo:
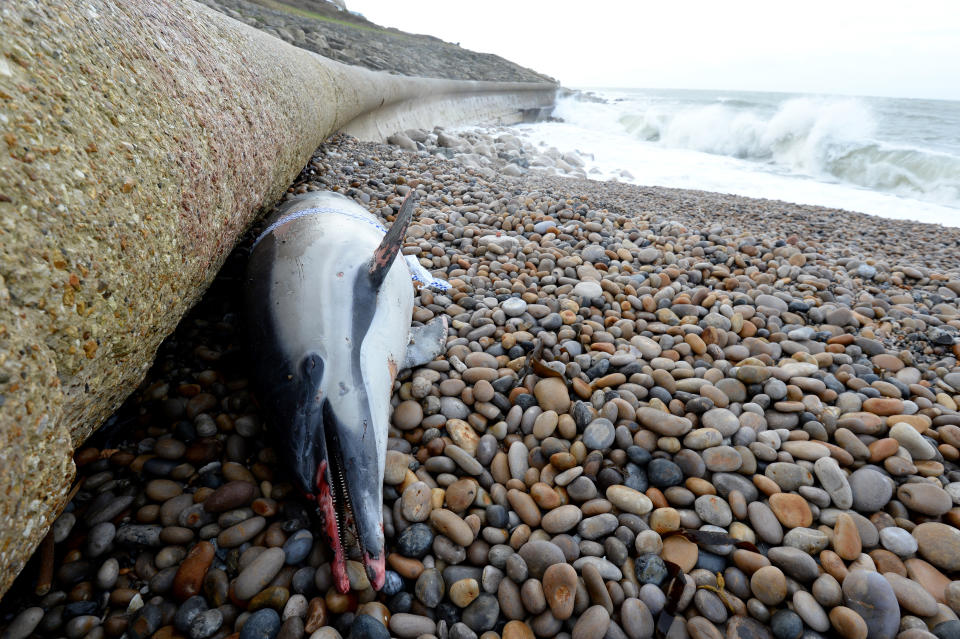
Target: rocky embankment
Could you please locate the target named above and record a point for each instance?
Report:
(347, 38)
(492, 151)
(702, 413)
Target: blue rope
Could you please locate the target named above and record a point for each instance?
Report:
(296, 215)
(417, 272)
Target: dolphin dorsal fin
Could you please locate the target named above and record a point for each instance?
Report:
(392, 241)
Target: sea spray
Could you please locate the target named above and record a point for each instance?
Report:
(890, 157)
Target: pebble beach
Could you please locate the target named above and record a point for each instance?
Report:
(660, 413)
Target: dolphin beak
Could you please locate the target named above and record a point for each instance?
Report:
(364, 489)
(347, 488)
(340, 471)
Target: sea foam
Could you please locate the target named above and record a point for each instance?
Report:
(830, 151)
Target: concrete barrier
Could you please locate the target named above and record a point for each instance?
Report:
(141, 138)
(425, 103)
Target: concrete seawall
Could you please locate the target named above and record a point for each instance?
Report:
(423, 102)
(141, 138)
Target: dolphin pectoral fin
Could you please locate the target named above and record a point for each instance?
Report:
(427, 342)
(390, 245)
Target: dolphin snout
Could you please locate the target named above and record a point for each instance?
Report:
(337, 463)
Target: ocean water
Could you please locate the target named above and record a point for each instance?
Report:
(896, 158)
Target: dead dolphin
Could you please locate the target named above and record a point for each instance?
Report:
(328, 307)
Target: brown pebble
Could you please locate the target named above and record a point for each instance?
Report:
(846, 538)
(932, 580)
(265, 507)
(702, 628)
(192, 571)
(166, 632)
(460, 494)
(593, 623)
(339, 603)
(769, 585)
(545, 496)
(231, 495)
(680, 551)
(121, 597)
(464, 591)
(122, 458)
(883, 448)
(376, 610)
(239, 533)
(563, 461)
(405, 566)
(886, 561)
(834, 566)
(848, 623)
(450, 524)
(407, 415)
(792, 510)
(274, 536)
(559, 588)
(699, 486)
(551, 394)
(272, 597)
(86, 455)
(517, 630)
(316, 615)
(883, 406)
(148, 514)
(116, 625)
(523, 504)
(398, 464)
(664, 520)
(738, 504)
(233, 471)
(939, 544)
(656, 497)
(170, 448)
(162, 489)
(749, 561)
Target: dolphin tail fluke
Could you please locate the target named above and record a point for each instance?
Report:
(384, 255)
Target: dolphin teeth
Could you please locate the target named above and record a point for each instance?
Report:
(345, 508)
(348, 536)
(327, 507)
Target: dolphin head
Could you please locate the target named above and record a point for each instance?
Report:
(332, 450)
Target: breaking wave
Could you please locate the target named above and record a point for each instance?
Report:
(832, 139)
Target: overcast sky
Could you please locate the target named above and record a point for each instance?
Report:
(906, 49)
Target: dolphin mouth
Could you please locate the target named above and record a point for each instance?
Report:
(336, 509)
